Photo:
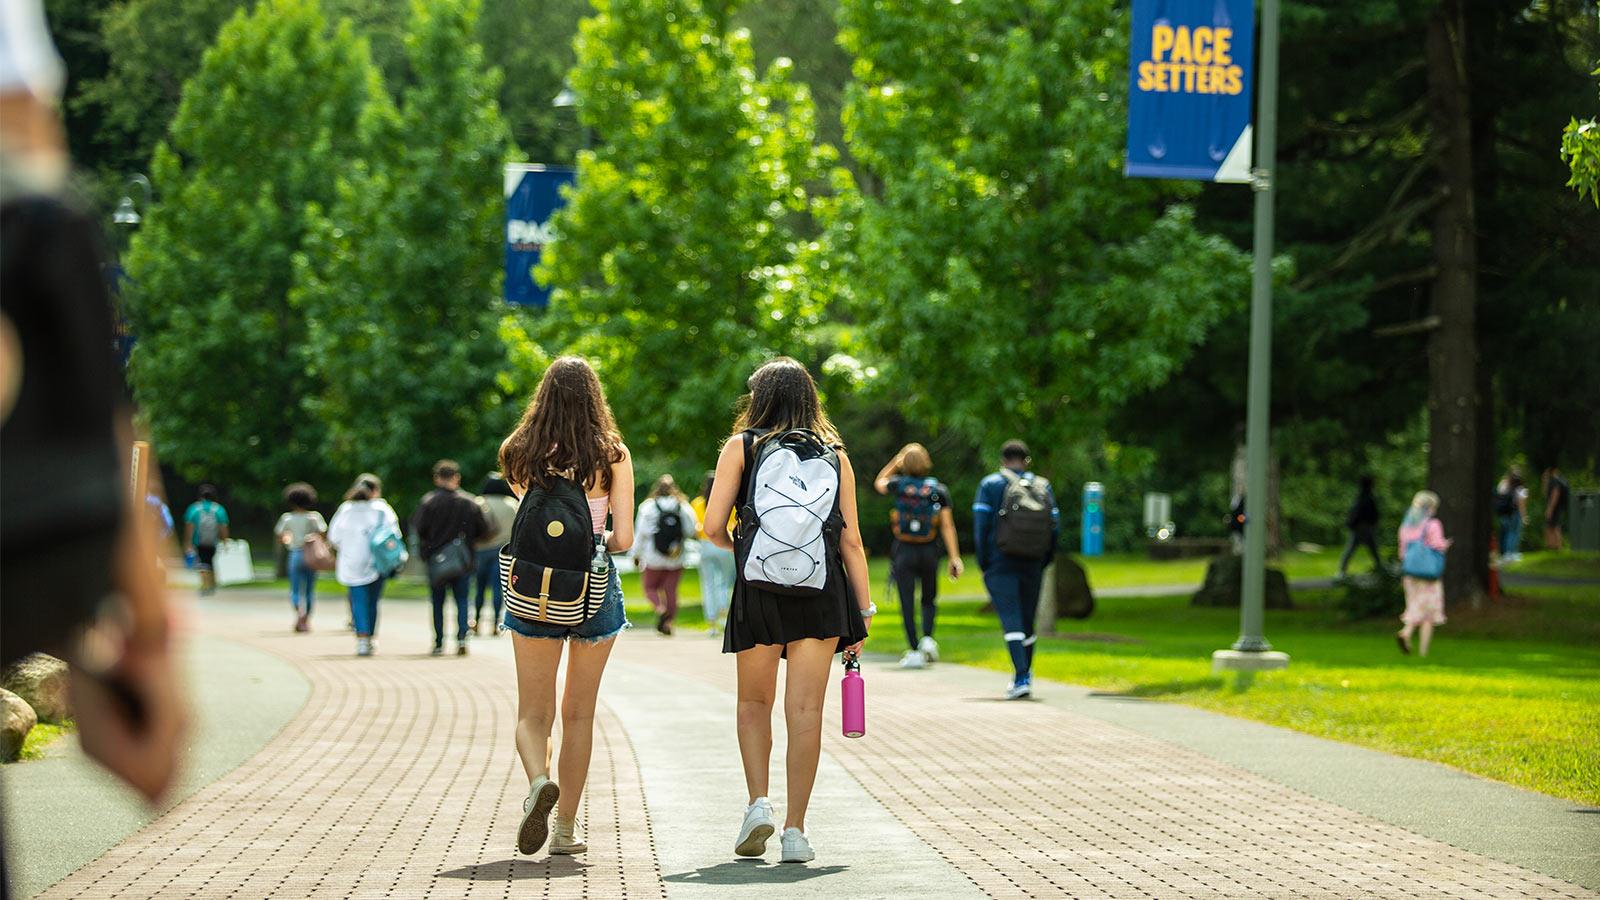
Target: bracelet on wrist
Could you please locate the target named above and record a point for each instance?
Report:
(870, 611)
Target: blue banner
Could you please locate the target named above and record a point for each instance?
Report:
(1189, 100)
(533, 194)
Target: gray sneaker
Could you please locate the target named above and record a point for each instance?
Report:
(542, 797)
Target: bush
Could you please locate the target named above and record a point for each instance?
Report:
(1371, 596)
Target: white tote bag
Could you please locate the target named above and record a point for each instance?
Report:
(232, 564)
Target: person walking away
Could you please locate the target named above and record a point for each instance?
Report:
(205, 525)
(1236, 520)
(1016, 525)
(499, 507)
(1425, 590)
(447, 523)
(293, 529)
(920, 519)
(716, 564)
(666, 523)
(362, 521)
(1362, 521)
(801, 591)
(1511, 510)
(567, 461)
(1556, 491)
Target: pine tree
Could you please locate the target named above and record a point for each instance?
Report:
(280, 106)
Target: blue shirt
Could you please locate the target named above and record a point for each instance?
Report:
(991, 492)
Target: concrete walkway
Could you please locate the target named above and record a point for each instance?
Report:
(397, 778)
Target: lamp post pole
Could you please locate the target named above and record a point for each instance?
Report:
(1251, 652)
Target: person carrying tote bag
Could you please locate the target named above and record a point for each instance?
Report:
(1422, 555)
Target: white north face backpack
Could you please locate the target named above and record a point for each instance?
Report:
(787, 531)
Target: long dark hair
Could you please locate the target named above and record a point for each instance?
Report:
(783, 396)
(567, 427)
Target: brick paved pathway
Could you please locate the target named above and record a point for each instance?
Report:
(399, 779)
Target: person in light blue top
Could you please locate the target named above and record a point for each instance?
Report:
(1016, 525)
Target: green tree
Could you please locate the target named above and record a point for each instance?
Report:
(279, 107)
(399, 281)
(1580, 147)
(1008, 278)
(682, 255)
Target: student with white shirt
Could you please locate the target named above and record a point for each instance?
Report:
(360, 516)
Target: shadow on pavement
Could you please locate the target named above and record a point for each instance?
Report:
(753, 871)
(517, 869)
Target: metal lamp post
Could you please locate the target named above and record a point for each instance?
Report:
(127, 213)
(1251, 652)
(568, 99)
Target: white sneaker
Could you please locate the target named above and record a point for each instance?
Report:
(929, 648)
(759, 824)
(363, 646)
(1019, 690)
(913, 660)
(564, 839)
(542, 797)
(796, 848)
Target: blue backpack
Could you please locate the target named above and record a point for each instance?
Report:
(388, 549)
(1421, 561)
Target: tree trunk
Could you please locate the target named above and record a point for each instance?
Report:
(1455, 397)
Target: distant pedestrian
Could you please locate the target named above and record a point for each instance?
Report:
(447, 523)
(802, 593)
(293, 528)
(1511, 511)
(1424, 594)
(921, 520)
(666, 525)
(716, 564)
(1556, 491)
(1362, 521)
(205, 525)
(568, 463)
(1016, 525)
(1236, 520)
(363, 517)
(500, 508)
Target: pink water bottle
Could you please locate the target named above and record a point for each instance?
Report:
(854, 691)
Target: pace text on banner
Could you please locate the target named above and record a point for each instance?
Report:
(1189, 98)
(533, 194)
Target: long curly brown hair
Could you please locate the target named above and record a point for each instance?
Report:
(567, 427)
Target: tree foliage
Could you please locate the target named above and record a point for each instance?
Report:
(688, 228)
(399, 277)
(1008, 277)
(1580, 147)
(277, 109)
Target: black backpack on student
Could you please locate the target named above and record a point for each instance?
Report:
(669, 528)
(1024, 525)
(1505, 502)
(545, 567)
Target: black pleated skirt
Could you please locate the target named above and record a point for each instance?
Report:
(759, 617)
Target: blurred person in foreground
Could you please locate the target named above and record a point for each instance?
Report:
(78, 571)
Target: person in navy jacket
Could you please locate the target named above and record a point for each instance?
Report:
(1013, 583)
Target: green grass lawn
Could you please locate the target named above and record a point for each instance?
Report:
(1562, 564)
(41, 737)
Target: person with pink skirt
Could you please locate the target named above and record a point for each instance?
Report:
(1424, 596)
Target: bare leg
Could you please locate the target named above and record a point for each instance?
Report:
(804, 689)
(758, 689)
(537, 661)
(1427, 638)
(585, 664)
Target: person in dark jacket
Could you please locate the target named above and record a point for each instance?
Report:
(1362, 521)
(446, 514)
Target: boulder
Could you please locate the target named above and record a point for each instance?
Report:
(41, 681)
(1074, 600)
(16, 720)
(1223, 585)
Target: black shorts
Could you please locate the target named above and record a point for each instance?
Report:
(205, 553)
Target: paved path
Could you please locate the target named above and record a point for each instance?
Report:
(398, 779)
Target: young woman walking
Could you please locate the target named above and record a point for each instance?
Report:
(716, 565)
(666, 523)
(1424, 596)
(764, 626)
(362, 514)
(293, 528)
(567, 434)
(921, 519)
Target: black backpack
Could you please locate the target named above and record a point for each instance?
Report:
(545, 567)
(1025, 527)
(1505, 502)
(669, 529)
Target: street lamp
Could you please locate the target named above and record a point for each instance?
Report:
(568, 99)
(127, 213)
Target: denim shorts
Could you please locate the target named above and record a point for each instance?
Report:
(607, 622)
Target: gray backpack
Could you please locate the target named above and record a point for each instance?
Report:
(207, 527)
(1024, 524)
